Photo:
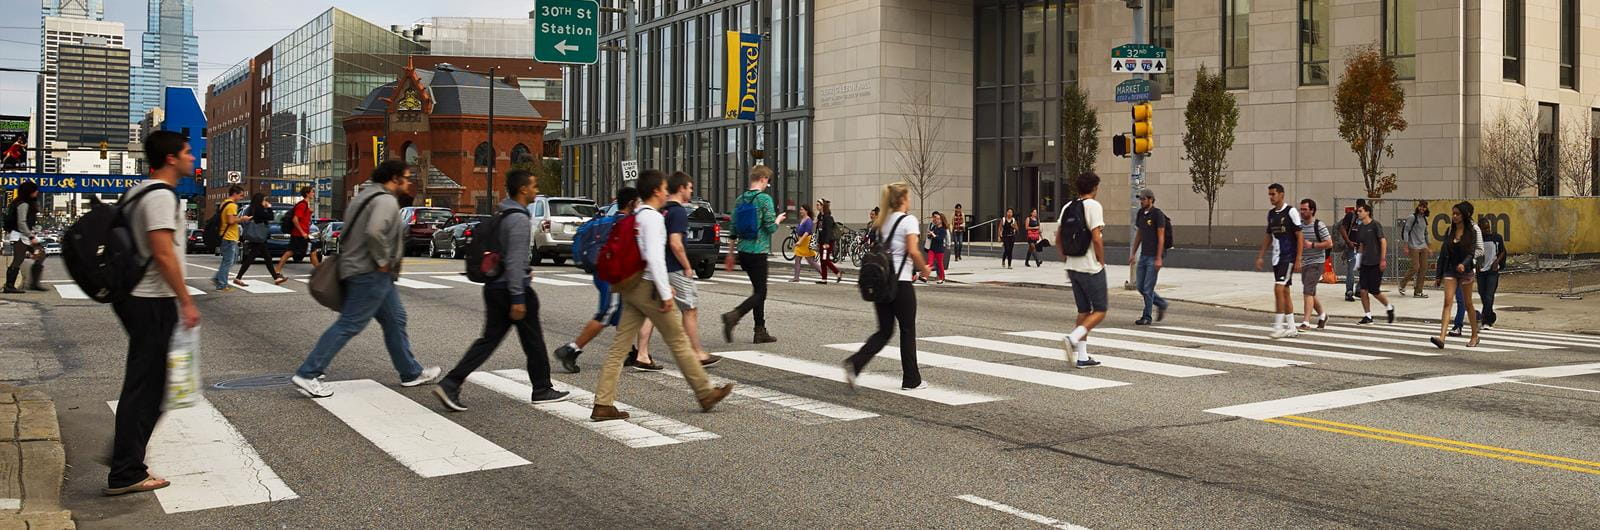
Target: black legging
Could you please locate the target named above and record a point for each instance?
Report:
(1032, 255)
(755, 266)
(252, 252)
(904, 310)
(1006, 242)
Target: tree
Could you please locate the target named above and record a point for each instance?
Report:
(916, 148)
(1080, 134)
(1574, 156)
(1210, 121)
(548, 173)
(1508, 151)
(1370, 104)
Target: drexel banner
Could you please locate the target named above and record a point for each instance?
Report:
(744, 75)
(52, 183)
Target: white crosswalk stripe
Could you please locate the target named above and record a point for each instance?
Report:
(805, 410)
(414, 284)
(631, 432)
(1424, 336)
(1265, 346)
(556, 283)
(71, 291)
(1194, 353)
(1519, 335)
(1303, 340)
(1106, 361)
(261, 287)
(1416, 387)
(875, 381)
(668, 427)
(1003, 371)
(1422, 340)
(579, 277)
(458, 278)
(412, 434)
(210, 463)
(194, 291)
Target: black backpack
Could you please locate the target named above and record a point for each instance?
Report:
(213, 230)
(100, 251)
(485, 258)
(878, 279)
(1075, 236)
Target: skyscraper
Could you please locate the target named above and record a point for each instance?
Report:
(87, 77)
(170, 56)
(84, 9)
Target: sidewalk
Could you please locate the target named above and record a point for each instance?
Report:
(32, 462)
(1252, 291)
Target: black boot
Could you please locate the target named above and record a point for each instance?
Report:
(35, 275)
(11, 281)
(762, 337)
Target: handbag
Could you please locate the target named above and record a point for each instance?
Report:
(253, 232)
(324, 285)
(805, 247)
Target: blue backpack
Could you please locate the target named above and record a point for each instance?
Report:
(590, 237)
(747, 216)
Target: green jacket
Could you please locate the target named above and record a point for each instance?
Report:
(762, 244)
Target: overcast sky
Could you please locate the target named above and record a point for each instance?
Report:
(229, 30)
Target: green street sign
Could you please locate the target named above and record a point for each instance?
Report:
(1139, 59)
(566, 31)
(1138, 51)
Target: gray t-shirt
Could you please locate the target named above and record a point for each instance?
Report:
(156, 210)
(1315, 232)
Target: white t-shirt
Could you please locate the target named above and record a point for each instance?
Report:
(1095, 216)
(897, 242)
(157, 210)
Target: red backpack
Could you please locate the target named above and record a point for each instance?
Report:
(620, 263)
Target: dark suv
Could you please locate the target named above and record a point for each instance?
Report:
(420, 223)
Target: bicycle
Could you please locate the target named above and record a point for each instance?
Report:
(789, 243)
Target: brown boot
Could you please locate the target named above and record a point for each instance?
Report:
(607, 413)
(762, 337)
(715, 396)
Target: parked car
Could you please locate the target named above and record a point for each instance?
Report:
(463, 218)
(328, 237)
(197, 242)
(555, 222)
(451, 241)
(422, 221)
(704, 243)
(52, 248)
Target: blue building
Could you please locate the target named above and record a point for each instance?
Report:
(185, 116)
(169, 57)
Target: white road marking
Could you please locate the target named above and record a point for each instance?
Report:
(458, 278)
(1419, 334)
(623, 432)
(1362, 347)
(668, 427)
(208, 462)
(875, 381)
(71, 291)
(1370, 394)
(557, 283)
(781, 401)
(1012, 510)
(261, 287)
(580, 277)
(413, 284)
(1418, 341)
(194, 291)
(414, 435)
(1193, 353)
(1120, 363)
(1263, 346)
(1528, 336)
(1003, 371)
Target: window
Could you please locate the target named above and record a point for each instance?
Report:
(1511, 59)
(1569, 44)
(1313, 42)
(521, 154)
(410, 154)
(1549, 116)
(1163, 33)
(1400, 36)
(1236, 43)
(481, 155)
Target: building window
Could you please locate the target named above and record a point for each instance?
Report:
(1313, 42)
(1163, 33)
(482, 155)
(521, 154)
(1569, 44)
(1549, 116)
(410, 154)
(1400, 36)
(1236, 43)
(1511, 61)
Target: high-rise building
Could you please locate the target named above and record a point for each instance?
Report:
(84, 9)
(169, 57)
(86, 85)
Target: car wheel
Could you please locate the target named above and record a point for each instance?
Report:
(705, 271)
(535, 258)
(298, 259)
(559, 260)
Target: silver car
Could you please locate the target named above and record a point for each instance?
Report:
(555, 223)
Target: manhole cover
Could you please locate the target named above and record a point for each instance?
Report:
(260, 381)
(1519, 309)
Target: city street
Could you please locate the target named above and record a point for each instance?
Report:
(1199, 421)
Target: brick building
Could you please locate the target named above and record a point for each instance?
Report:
(437, 120)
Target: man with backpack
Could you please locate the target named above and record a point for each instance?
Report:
(1318, 248)
(754, 221)
(1285, 237)
(508, 299)
(228, 220)
(1352, 256)
(585, 248)
(1151, 242)
(369, 262)
(1084, 252)
(298, 226)
(152, 309)
(635, 262)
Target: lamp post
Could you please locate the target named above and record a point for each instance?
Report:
(493, 153)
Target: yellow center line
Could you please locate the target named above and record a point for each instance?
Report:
(1448, 441)
(1358, 433)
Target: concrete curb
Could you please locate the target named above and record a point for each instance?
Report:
(32, 462)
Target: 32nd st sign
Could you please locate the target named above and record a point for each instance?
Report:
(566, 31)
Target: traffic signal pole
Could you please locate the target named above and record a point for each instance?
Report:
(1136, 166)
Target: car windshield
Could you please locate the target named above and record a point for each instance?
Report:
(433, 216)
(571, 209)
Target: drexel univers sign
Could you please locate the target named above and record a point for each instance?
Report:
(744, 76)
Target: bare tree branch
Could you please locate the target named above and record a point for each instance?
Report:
(916, 149)
(1508, 151)
(1575, 158)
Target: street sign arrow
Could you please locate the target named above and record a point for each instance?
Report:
(563, 47)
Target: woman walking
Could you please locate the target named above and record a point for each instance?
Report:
(805, 231)
(828, 230)
(261, 215)
(958, 232)
(1033, 240)
(1008, 237)
(938, 238)
(897, 228)
(1457, 258)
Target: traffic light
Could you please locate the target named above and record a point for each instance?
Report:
(1144, 138)
(1119, 145)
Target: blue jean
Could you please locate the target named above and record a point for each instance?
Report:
(1147, 284)
(1461, 307)
(1352, 264)
(366, 296)
(229, 250)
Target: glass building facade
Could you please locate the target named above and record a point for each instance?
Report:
(1025, 55)
(93, 95)
(170, 55)
(680, 48)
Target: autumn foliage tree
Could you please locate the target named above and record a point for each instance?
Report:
(1210, 120)
(1370, 104)
(1080, 134)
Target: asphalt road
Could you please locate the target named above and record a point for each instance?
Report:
(1008, 435)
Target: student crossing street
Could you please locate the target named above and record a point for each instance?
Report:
(1285, 239)
(754, 221)
(1318, 242)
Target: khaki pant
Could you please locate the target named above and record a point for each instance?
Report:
(638, 303)
(1419, 269)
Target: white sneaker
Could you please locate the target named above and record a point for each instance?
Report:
(1289, 333)
(918, 387)
(1278, 333)
(429, 375)
(1068, 345)
(312, 388)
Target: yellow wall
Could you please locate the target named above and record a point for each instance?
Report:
(1556, 225)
